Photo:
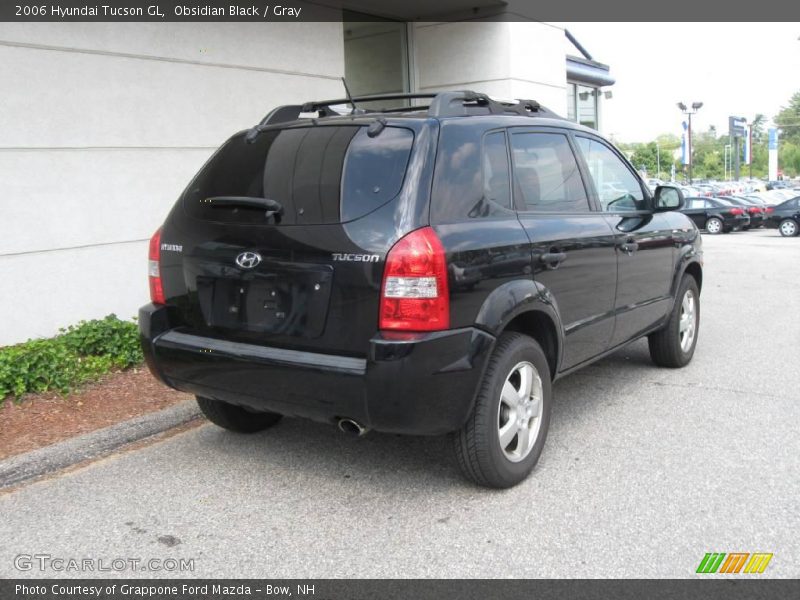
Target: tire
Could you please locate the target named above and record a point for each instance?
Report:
(236, 418)
(714, 226)
(668, 346)
(478, 448)
(788, 228)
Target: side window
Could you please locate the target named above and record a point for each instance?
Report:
(696, 203)
(546, 175)
(617, 188)
(496, 176)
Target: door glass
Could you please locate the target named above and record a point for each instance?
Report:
(546, 175)
(617, 188)
(496, 179)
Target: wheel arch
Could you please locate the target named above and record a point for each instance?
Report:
(527, 307)
(695, 269)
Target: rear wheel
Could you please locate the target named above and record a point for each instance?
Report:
(788, 228)
(673, 345)
(236, 418)
(503, 438)
(714, 225)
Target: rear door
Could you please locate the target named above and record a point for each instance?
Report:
(572, 245)
(644, 240)
(308, 277)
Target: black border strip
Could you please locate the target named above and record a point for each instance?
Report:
(364, 10)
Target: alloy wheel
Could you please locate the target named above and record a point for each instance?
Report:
(519, 413)
(687, 325)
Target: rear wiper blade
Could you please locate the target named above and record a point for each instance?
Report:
(272, 207)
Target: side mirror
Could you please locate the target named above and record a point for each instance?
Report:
(668, 198)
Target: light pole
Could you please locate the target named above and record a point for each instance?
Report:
(689, 112)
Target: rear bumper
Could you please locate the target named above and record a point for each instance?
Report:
(425, 385)
(736, 222)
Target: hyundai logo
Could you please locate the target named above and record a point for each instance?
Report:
(248, 260)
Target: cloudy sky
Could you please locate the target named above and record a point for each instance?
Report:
(733, 68)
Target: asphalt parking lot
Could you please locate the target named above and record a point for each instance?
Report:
(645, 470)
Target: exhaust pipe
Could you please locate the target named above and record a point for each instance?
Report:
(352, 427)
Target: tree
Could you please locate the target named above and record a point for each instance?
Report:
(757, 127)
(788, 120)
(645, 157)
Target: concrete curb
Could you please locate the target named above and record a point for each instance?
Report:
(33, 464)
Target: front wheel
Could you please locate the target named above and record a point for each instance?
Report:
(714, 225)
(673, 345)
(236, 418)
(503, 438)
(788, 228)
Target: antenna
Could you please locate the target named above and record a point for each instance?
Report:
(349, 96)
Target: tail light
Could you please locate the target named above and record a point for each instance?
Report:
(770, 210)
(415, 294)
(154, 269)
(736, 211)
(754, 210)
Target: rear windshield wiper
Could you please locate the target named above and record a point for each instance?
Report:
(272, 207)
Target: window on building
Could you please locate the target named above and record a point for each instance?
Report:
(375, 55)
(571, 87)
(587, 106)
(546, 175)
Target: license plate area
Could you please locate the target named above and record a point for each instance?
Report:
(280, 300)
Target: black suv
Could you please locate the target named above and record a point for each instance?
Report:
(423, 270)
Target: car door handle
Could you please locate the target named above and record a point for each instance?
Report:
(629, 247)
(553, 259)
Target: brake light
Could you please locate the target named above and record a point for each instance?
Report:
(415, 294)
(736, 211)
(154, 269)
(754, 210)
(770, 209)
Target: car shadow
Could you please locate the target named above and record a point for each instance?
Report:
(300, 450)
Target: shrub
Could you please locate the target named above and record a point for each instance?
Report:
(82, 353)
(110, 337)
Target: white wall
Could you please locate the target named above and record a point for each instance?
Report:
(503, 59)
(101, 127)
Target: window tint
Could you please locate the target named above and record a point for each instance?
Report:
(496, 176)
(617, 188)
(304, 170)
(323, 174)
(471, 178)
(374, 170)
(546, 176)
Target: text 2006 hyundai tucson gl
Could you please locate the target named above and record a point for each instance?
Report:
(419, 270)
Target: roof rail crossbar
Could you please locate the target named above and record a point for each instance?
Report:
(442, 104)
(322, 105)
(457, 104)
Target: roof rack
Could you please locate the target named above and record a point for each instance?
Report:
(443, 104)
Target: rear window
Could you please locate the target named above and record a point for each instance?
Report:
(325, 174)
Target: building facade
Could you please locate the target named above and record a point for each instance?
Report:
(103, 124)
